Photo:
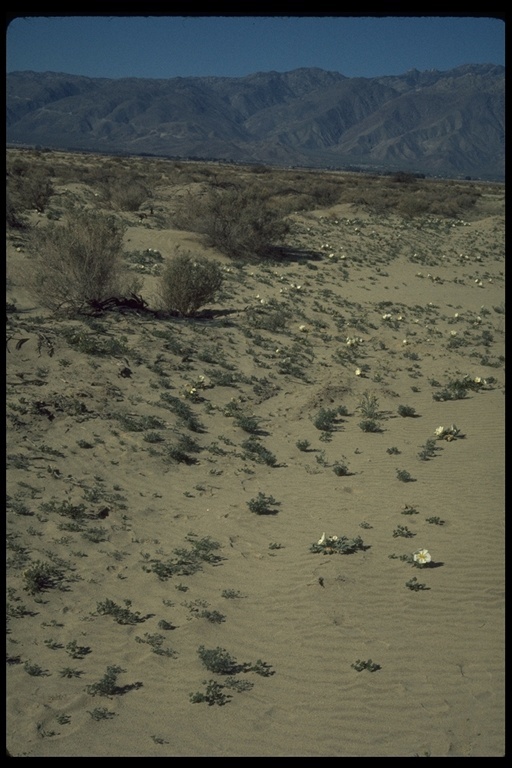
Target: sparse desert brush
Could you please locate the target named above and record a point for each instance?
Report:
(125, 192)
(79, 263)
(188, 282)
(29, 187)
(239, 223)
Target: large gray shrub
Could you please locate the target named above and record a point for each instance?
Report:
(79, 262)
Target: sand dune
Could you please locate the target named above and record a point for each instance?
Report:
(439, 688)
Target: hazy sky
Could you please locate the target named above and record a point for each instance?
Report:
(172, 46)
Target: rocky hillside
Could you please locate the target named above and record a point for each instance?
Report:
(444, 123)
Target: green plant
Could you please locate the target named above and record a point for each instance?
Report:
(70, 672)
(156, 642)
(263, 505)
(231, 594)
(53, 644)
(393, 451)
(260, 668)
(188, 282)
(212, 695)
(402, 530)
(406, 410)
(34, 670)
(404, 476)
(428, 450)
(249, 424)
(40, 577)
(369, 406)
(341, 469)
(325, 419)
(77, 651)
(303, 445)
(187, 561)
(370, 665)
(79, 263)
(101, 713)
(218, 660)
(163, 624)
(258, 452)
(408, 510)
(107, 686)
(370, 425)
(214, 617)
(414, 585)
(120, 615)
(435, 520)
(329, 545)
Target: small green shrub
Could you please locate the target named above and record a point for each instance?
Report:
(403, 531)
(370, 425)
(369, 665)
(325, 419)
(341, 469)
(101, 713)
(404, 476)
(120, 615)
(414, 585)
(330, 545)
(263, 505)
(406, 410)
(258, 452)
(218, 660)
(212, 695)
(107, 686)
(40, 577)
(188, 282)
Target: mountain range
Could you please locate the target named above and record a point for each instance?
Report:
(448, 123)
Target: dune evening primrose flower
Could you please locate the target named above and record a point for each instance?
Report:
(422, 557)
(322, 538)
(357, 371)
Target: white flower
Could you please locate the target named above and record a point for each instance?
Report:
(333, 538)
(322, 539)
(303, 328)
(453, 333)
(422, 557)
(477, 380)
(357, 371)
(440, 431)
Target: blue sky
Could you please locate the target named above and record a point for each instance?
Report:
(174, 46)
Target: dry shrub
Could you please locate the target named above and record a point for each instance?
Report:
(239, 223)
(79, 262)
(29, 187)
(188, 282)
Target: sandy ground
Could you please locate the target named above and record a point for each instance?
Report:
(94, 493)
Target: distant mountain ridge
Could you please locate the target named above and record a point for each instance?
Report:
(442, 123)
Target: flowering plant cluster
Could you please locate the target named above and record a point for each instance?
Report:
(353, 341)
(447, 433)
(422, 558)
(329, 545)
